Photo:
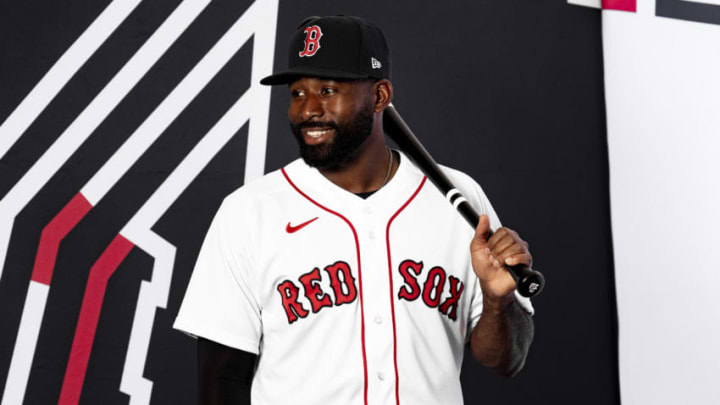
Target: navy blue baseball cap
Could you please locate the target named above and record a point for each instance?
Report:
(336, 47)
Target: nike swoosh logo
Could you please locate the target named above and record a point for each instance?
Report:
(292, 229)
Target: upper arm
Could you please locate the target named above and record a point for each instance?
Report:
(221, 303)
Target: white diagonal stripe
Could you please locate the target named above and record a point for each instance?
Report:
(81, 128)
(260, 19)
(166, 112)
(85, 123)
(713, 2)
(27, 337)
(61, 72)
(587, 3)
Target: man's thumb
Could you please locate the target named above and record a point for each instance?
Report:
(482, 231)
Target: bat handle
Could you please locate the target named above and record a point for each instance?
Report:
(529, 282)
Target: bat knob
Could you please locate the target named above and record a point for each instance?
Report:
(529, 282)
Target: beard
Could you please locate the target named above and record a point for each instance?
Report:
(342, 147)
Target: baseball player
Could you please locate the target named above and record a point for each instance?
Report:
(345, 277)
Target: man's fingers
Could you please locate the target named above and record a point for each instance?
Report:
(507, 248)
(499, 244)
(500, 234)
(497, 236)
(514, 254)
(525, 258)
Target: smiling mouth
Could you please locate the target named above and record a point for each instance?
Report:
(314, 135)
(317, 133)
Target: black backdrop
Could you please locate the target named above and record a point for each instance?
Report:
(509, 91)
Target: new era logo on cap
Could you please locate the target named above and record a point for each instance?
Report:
(375, 63)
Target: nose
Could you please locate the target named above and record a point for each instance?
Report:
(311, 108)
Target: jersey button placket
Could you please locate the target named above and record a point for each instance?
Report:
(376, 292)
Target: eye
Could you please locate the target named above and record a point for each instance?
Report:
(294, 93)
(327, 91)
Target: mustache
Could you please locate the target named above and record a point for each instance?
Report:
(316, 124)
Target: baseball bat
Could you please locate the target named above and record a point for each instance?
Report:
(529, 282)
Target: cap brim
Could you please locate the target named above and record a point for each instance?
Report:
(295, 73)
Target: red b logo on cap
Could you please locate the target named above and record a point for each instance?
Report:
(312, 41)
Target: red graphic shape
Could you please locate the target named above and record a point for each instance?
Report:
(92, 303)
(292, 229)
(53, 233)
(622, 5)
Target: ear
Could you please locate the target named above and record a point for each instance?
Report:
(383, 94)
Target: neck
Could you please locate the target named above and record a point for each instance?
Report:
(368, 168)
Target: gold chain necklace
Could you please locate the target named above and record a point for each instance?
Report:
(387, 176)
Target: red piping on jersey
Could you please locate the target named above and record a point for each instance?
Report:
(357, 249)
(392, 290)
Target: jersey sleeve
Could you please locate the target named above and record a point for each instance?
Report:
(220, 302)
(477, 198)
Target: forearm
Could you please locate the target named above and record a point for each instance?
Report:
(501, 339)
(224, 374)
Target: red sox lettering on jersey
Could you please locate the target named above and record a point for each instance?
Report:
(431, 289)
(312, 41)
(344, 289)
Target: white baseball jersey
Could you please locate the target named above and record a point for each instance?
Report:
(345, 300)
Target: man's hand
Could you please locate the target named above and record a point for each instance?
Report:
(501, 339)
(489, 256)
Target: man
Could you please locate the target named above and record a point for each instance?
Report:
(345, 277)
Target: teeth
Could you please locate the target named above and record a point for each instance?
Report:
(316, 133)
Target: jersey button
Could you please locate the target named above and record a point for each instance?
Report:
(378, 320)
(368, 210)
(381, 376)
(372, 234)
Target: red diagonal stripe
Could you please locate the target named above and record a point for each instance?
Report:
(100, 273)
(622, 5)
(53, 233)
